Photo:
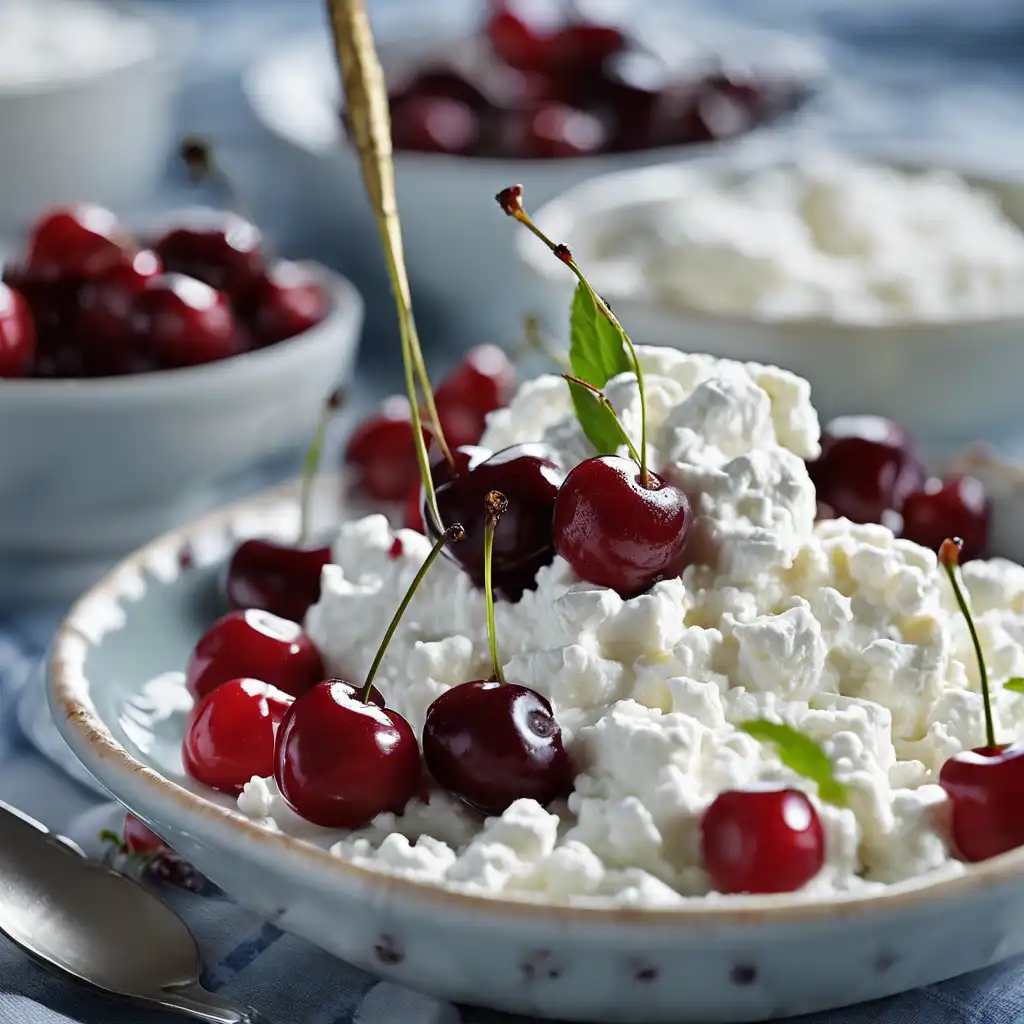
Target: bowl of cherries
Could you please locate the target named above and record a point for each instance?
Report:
(533, 95)
(140, 370)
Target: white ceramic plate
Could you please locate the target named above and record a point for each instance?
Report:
(741, 959)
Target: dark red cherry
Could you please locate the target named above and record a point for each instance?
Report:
(382, 453)
(17, 334)
(255, 645)
(184, 322)
(76, 241)
(434, 124)
(483, 381)
(582, 47)
(555, 130)
(529, 475)
(986, 789)
(278, 578)
(516, 38)
(339, 762)
(762, 841)
(230, 734)
(226, 255)
(616, 532)
(957, 508)
(140, 839)
(490, 744)
(412, 517)
(867, 466)
(283, 302)
(356, 692)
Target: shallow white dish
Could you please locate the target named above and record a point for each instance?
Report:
(741, 959)
(90, 469)
(948, 383)
(102, 137)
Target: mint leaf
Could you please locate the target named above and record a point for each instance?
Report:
(802, 754)
(596, 354)
(597, 419)
(1016, 684)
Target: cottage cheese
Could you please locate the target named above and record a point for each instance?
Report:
(839, 630)
(824, 237)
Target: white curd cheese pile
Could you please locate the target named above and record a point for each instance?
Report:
(839, 630)
(825, 237)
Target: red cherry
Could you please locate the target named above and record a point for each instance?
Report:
(226, 255)
(957, 508)
(184, 322)
(76, 241)
(230, 735)
(339, 762)
(518, 43)
(139, 838)
(412, 517)
(356, 692)
(867, 466)
(256, 645)
(762, 841)
(382, 452)
(283, 302)
(277, 578)
(463, 426)
(616, 532)
(17, 334)
(555, 130)
(635, 81)
(491, 744)
(434, 124)
(985, 788)
(483, 381)
(581, 47)
(523, 542)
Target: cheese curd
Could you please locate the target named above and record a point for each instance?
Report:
(842, 631)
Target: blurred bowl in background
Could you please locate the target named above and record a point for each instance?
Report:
(90, 115)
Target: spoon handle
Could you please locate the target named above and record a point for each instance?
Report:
(196, 1002)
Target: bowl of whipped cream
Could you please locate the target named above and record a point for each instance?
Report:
(894, 289)
(86, 103)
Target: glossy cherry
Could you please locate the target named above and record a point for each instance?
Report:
(140, 839)
(867, 466)
(17, 334)
(434, 124)
(762, 841)
(226, 255)
(76, 241)
(412, 514)
(230, 734)
(616, 531)
(523, 542)
(382, 453)
(184, 322)
(283, 302)
(558, 130)
(582, 47)
(491, 744)
(257, 645)
(483, 381)
(516, 39)
(339, 762)
(278, 578)
(957, 508)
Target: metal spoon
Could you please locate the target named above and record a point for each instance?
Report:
(98, 926)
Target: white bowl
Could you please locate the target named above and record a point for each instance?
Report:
(458, 243)
(948, 383)
(102, 137)
(91, 468)
(728, 960)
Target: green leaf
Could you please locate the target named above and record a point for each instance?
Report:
(597, 419)
(596, 354)
(1016, 684)
(802, 754)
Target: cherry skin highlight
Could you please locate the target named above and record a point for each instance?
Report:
(17, 334)
(957, 508)
(491, 744)
(762, 841)
(255, 645)
(283, 302)
(226, 256)
(339, 762)
(77, 241)
(230, 734)
(616, 532)
(277, 578)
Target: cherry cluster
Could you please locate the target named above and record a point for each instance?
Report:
(88, 300)
(538, 86)
(869, 471)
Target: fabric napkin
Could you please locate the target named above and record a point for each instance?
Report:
(249, 960)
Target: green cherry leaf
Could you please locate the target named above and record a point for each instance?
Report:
(802, 754)
(598, 421)
(1016, 684)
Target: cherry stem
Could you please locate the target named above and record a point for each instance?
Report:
(949, 557)
(201, 164)
(606, 402)
(453, 534)
(310, 464)
(496, 505)
(511, 201)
